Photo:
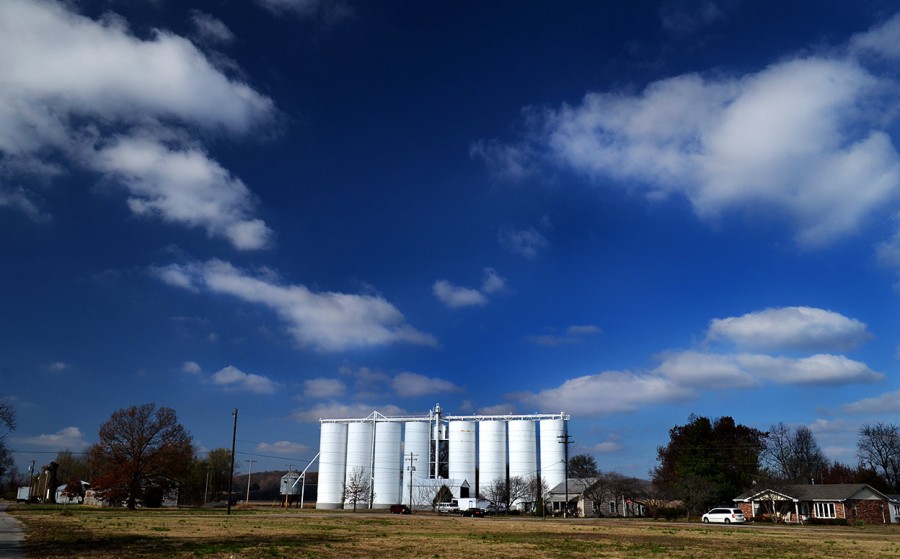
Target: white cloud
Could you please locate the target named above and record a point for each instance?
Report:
(283, 448)
(506, 162)
(792, 328)
(608, 447)
(57, 367)
(88, 93)
(70, 438)
(606, 393)
(234, 378)
(337, 410)
(411, 385)
(454, 296)
(21, 200)
(497, 409)
(880, 41)
(681, 375)
(723, 371)
(191, 368)
(798, 139)
(705, 370)
(211, 28)
(820, 369)
(323, 321)
(323, 388)
(887, 403)
(183, 186)
(493, 282)
(524, 242)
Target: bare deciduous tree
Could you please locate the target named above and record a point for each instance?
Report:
(793, 455)
(142, 452)
(357, 488)
(879, 448)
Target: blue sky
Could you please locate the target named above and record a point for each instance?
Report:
(630, 212)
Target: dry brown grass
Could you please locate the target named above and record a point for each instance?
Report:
(106, 534)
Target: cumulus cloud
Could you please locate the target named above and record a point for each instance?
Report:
(411, 385)
(606, 393)
(454, 296)
(183, 186)
(680, 376)
(86, 93)
(887, 403)
(337, 410)
(320, 388)
(67, 438)
(191, 368)
(210, 28)
(800, 139)
(283, 448)
(790, 328)
(524, 242)
(233, 378)
(880, 41)
(721, 371)
(322, 321)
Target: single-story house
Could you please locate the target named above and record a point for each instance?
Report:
(799, 503)
(584, 502)
(895, 508)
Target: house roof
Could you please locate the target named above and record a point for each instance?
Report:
(823, 492)
(577, 486)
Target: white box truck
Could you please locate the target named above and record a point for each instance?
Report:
(23, 495)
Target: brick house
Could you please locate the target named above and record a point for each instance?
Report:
(799, 503)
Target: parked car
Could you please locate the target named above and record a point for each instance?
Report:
(400, 509)
(724, 515)
(474, 512)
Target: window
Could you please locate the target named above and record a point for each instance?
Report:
(825, 510)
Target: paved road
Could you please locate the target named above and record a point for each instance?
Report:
(12, 534)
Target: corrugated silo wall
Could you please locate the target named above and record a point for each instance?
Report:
(359, 454)
(332, 465)
(522, 448)
(388, 464)
(553, 452)
(462, 451)
(416, 441)
(491, 453)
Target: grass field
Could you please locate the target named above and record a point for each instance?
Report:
(55, 532)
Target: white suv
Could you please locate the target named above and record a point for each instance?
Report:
(724, 515)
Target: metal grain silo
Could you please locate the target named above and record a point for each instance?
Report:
(553, 451)
(462, 451)
(491, 453)
(522, 448)
(416, 441)
(359, 453)
(332, 465)
(388, 472)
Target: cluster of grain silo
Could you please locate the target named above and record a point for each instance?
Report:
(396, 456)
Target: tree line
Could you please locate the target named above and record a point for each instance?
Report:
(143, 453)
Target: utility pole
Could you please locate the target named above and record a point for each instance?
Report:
(411, 468)
(249, 469)
(206, 490)
(231, 473)
(566, 440)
